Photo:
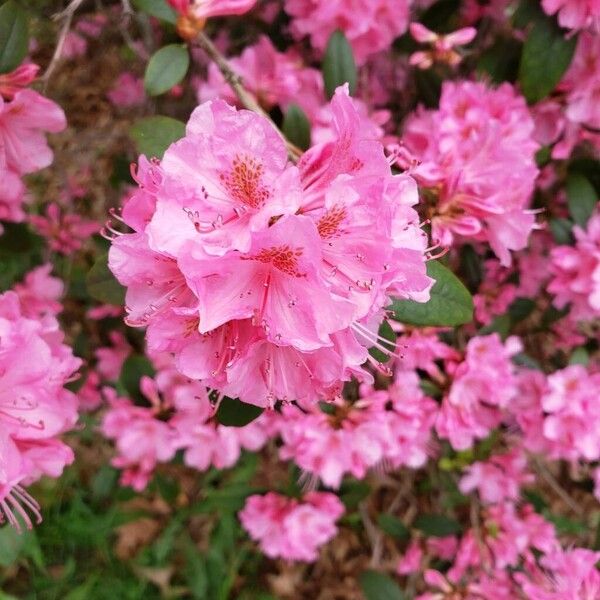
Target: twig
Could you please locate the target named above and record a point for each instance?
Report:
(235, 82)
(373, 534)
(553, 483)
(66, 16)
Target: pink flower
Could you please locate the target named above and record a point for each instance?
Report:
(369, 25)
(127, 90)
(74, 46)
(495, 294)
(499, 478)
(265, 280)
(478, 153)
(566, 574)
(411, 561)
(35, 408)
(574, 14)
(291, 529)
(111, 358)
(576, 272)
(21, 77)
(443, 46)
(142, 440)
(204, 9)
(66, 232)
(23, 121)
(390, 428)
(40, 293)
(483, 386)
(581, 82)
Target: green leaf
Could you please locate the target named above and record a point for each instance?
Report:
(166, 68)
(393, 526)
(546, 56)
(580, 356)
(582, 198)
(296, 127)
(520, 309)
(157, 8)
(11, 545)
(437, 525)
(132, 371)
(102, 285)
(501, 61)
(378, 586)
(561, 230)
(387, 333)
(153, 135)
(235, 413)
(450, 303)
(14, 35)
(338, 64)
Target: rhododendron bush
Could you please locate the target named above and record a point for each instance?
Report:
(300, 299)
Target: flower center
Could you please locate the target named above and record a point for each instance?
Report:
(243, 182)
(329, 223)
(284, 258)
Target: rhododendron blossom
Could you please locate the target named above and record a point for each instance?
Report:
(369, 25)
(268, 280)
(34, 406)
(477, 154)
(292, 529)
(576, 272)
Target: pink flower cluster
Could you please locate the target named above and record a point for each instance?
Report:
(559, 414)
(35, 408)
(265, 280)
(380, 22)
(387, 428)
(180, 417)
(25, 116)
(291, 529)
(576, 272)
(482, 387)
(477, 154)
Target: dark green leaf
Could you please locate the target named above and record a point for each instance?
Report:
(393, 526)
(14, 35)
(11, 544)
(450, 303)
(500, 325)
(378, 586)
(521, 308)
(582, 198)
(102, 285)
(338, 65)
(386, 333)
(235, 413)
(437, 525)
(133, 369)
(153, 135)
(546, 56)
(296, 127)
(527, 11)
(166, 68)
(501, 61)
(352, 492)
(157, 8)
(561, 230)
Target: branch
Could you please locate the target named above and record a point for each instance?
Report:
(66, 16)
(235, 82)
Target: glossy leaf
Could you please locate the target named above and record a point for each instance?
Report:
(234, 413)
(450, 304)
(166, 68)
(338, 65)
(582, 198)
(157, 8)
(14, 35)
(378, 586)
(546, 56)
(153, 135)
(296, 127)
(436, 525)
(102, 285)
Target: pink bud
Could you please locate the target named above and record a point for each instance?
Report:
(421, 34)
